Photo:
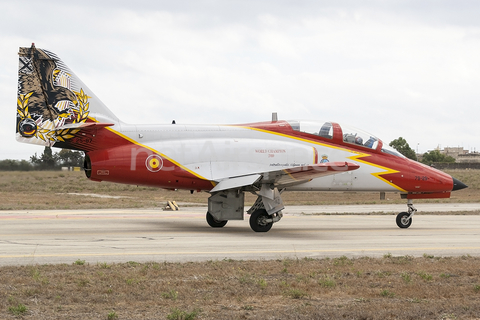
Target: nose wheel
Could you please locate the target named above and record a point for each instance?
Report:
(404, 219)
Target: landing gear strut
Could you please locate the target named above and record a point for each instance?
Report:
(404, 219)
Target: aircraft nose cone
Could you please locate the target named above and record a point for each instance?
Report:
(458, 185)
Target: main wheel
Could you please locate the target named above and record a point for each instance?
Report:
(403, 221)
(212, 222)
(258, 221)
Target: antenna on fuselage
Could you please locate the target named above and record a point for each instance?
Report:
(274, 117)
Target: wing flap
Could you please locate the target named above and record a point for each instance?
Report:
(236, 182)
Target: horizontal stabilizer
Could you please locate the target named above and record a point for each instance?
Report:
(85, 126)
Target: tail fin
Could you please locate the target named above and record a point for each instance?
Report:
(53, 104)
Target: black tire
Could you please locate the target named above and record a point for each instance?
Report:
(258, 223)
(402, 221)
(212, 222)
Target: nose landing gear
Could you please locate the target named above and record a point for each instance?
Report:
(404, 219)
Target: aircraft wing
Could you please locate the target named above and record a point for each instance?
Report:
(236, 182)
(286, 177)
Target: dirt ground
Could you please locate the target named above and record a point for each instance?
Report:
(363, 288)
(45, 190)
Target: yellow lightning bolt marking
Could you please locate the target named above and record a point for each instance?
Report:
(377, 174)
(355, 157)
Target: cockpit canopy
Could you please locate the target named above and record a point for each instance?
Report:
(326, 130)
(347, 134)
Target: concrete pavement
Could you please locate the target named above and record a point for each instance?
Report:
(120, 235)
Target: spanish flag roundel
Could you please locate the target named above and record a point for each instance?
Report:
(154, 163)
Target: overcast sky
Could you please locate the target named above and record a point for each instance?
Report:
(392, 68)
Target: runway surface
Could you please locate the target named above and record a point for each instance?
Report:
(120, 235)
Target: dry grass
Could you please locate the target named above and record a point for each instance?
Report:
(364, 288)
(50, 190)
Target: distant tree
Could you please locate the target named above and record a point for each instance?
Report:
(402, 146)
(435, 156)
(47, 161)
(15, 165)
(69, 158)
(35, 160)
(48, 157)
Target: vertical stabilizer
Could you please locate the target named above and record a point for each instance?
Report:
(52, 102)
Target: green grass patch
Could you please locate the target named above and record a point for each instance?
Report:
(425, 276)
(18, 310)
(406, 277)
(296, 293)
(327, 283)
(178, 314)
(387, 294)
(172, 295)
(79, 262)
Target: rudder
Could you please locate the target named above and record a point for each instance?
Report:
(53, 104)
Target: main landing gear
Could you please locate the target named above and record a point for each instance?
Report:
(214, 223)
(229, 205)
(261, 221)
(266, 210)
(404, 219)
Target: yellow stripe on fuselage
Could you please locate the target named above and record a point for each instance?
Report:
(154, 151)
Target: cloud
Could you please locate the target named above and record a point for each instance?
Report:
(393, 68)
